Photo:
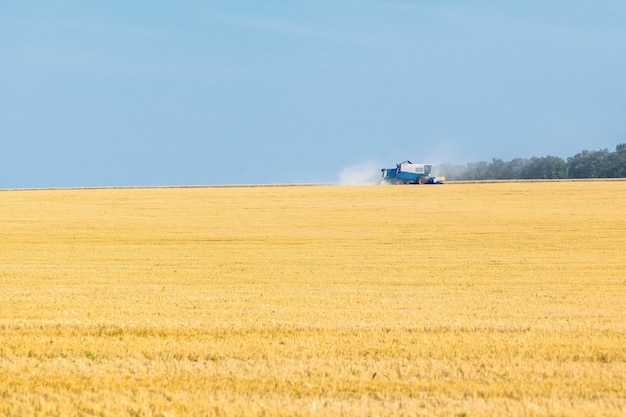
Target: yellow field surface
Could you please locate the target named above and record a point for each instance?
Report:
(456, 300)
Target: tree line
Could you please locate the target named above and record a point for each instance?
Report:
(586, 164)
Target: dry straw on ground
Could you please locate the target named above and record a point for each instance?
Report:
(462, 299)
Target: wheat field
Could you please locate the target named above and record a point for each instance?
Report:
(475, 299)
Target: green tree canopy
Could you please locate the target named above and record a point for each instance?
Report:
(586, 164)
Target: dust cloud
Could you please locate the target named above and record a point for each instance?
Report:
(367, 173)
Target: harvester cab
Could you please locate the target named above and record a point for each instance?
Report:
(409, 173)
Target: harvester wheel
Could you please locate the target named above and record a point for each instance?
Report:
(422, 180)
(399, 182)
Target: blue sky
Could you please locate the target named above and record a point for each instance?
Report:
(112, 92)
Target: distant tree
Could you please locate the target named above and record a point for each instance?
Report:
(496, 169)
(516, 166)
(588, 164)
(547, 167)
(477, 171)
(616, 164)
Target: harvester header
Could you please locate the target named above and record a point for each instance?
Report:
(409, 173)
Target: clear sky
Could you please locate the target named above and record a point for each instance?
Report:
(155, 92)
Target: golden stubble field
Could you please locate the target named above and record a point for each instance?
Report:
(457, 300)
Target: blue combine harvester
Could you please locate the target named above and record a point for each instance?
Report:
(409, 173)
